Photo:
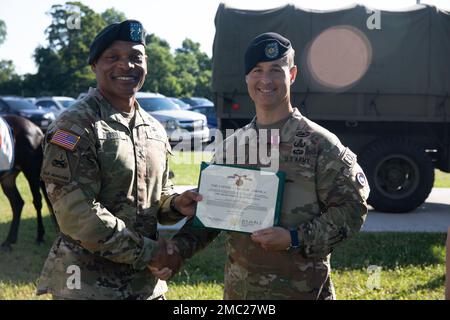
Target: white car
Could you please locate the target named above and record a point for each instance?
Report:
(180, 125)
(55, 104)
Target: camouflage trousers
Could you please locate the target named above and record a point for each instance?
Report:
(161, 297)
(308, 280)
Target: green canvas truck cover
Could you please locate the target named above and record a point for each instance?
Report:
(409, 52)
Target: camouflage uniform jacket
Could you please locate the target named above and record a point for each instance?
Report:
(324, 200)
(108, 194)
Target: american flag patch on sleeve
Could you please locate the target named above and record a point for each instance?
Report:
(65, 139)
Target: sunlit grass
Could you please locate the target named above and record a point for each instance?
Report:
(186, 166)
(441, 179)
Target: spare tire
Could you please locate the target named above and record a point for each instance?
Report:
(400, 174)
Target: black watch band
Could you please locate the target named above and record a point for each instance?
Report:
(172, 204)
(294, 239)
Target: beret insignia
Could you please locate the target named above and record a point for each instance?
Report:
(271, 51)
(135, 31)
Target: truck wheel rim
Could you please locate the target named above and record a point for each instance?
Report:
(397, 176)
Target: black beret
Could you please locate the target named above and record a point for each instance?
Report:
(268, 46)
(128, 30)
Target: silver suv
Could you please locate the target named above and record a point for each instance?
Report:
(180, 125)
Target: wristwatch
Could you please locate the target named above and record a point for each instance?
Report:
(294, 239)
(172, 204)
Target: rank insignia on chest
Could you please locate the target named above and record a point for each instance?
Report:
(65, 139)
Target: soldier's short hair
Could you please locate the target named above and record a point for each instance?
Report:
(289, 58)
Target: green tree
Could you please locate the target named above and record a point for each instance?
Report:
(10, 81)
(112, 15)
(160, 68)
(7, 70)
(61, 35)
(2, 31)
(186, 72)
(62, 64)
(193, 69)
(154, 39)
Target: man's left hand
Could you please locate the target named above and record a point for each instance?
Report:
(166, 261)
(187, 201)
(272, 239)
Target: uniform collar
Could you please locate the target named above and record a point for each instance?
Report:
(109, 113)
(291, 126)
(139, 117)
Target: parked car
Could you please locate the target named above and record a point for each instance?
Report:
(55, 104)
(197, 101)
(210, 113)
(31, 99)
(24, 108)
(180, 125)
(183, 105)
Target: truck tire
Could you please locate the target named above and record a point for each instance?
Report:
(400, 175)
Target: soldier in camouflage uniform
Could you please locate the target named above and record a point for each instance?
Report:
(106, 173)
(324, 199)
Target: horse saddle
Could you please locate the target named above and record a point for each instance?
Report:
(6, 146)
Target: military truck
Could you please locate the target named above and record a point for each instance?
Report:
(379, 80)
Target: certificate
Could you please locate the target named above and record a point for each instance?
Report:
(238, 199)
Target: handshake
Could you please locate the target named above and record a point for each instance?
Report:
(166, 261)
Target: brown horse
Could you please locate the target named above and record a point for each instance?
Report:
(27, 158)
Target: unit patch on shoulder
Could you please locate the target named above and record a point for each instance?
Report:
(361, 179)
(56, 166)
(65, 139)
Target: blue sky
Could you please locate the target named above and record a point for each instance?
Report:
(172, 20)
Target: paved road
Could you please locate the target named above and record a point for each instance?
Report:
(432, 216)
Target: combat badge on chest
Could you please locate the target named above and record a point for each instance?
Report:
(297, 149)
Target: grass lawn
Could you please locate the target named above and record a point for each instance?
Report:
(412, 264)
(186, 166)
(441, 179)
(412, 267)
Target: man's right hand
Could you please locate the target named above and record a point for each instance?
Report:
(166, 261)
